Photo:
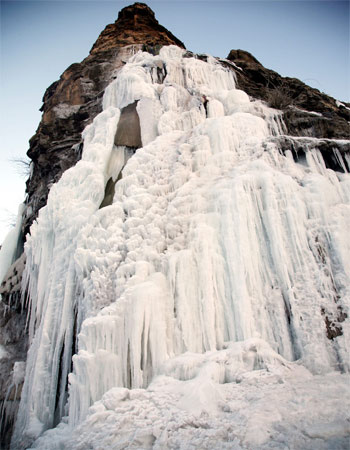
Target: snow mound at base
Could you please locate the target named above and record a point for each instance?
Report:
(243, 397)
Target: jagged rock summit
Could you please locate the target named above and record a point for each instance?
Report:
(136, 24)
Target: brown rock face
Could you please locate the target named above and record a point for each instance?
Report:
(136, 24)
(294, 98)
(128, 130)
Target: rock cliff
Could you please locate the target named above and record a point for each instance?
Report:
(306, 111)
(72, 102)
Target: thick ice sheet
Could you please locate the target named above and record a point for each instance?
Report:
(213, 238)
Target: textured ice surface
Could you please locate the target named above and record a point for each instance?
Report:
(243, 397)
(9, 246)
(219, 262)
(3, 352)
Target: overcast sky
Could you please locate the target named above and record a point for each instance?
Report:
(308, 40)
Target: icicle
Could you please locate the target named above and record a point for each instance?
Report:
(341, 160)
(50, 279)
(212, 237)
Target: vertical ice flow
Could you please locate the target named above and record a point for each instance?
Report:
(213, 236)
(8, 250)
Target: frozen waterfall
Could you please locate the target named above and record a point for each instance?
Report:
(215, 243)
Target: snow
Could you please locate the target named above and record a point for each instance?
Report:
(245, 396)
(63, 110)
(311, 113)
(339, 104)
(200, 295)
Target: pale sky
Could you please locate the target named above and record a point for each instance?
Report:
(308, 40)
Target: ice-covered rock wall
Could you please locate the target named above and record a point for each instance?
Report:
(214, 237)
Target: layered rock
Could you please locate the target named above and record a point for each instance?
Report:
(306, 111)
(135, 24)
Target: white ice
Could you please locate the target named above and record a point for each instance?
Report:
(215, 244)
(9, 246)
(245, 396)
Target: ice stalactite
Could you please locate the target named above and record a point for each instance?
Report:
(51, 283)
(213, 236)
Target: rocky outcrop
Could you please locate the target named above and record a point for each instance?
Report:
(69, 105)
(128, 130)
(135, 24)
(306, 111)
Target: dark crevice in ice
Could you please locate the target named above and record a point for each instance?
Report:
(291, 330)
(110, 186)
(109, 191)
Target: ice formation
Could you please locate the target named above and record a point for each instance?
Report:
(216, 267)
(9, 250)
